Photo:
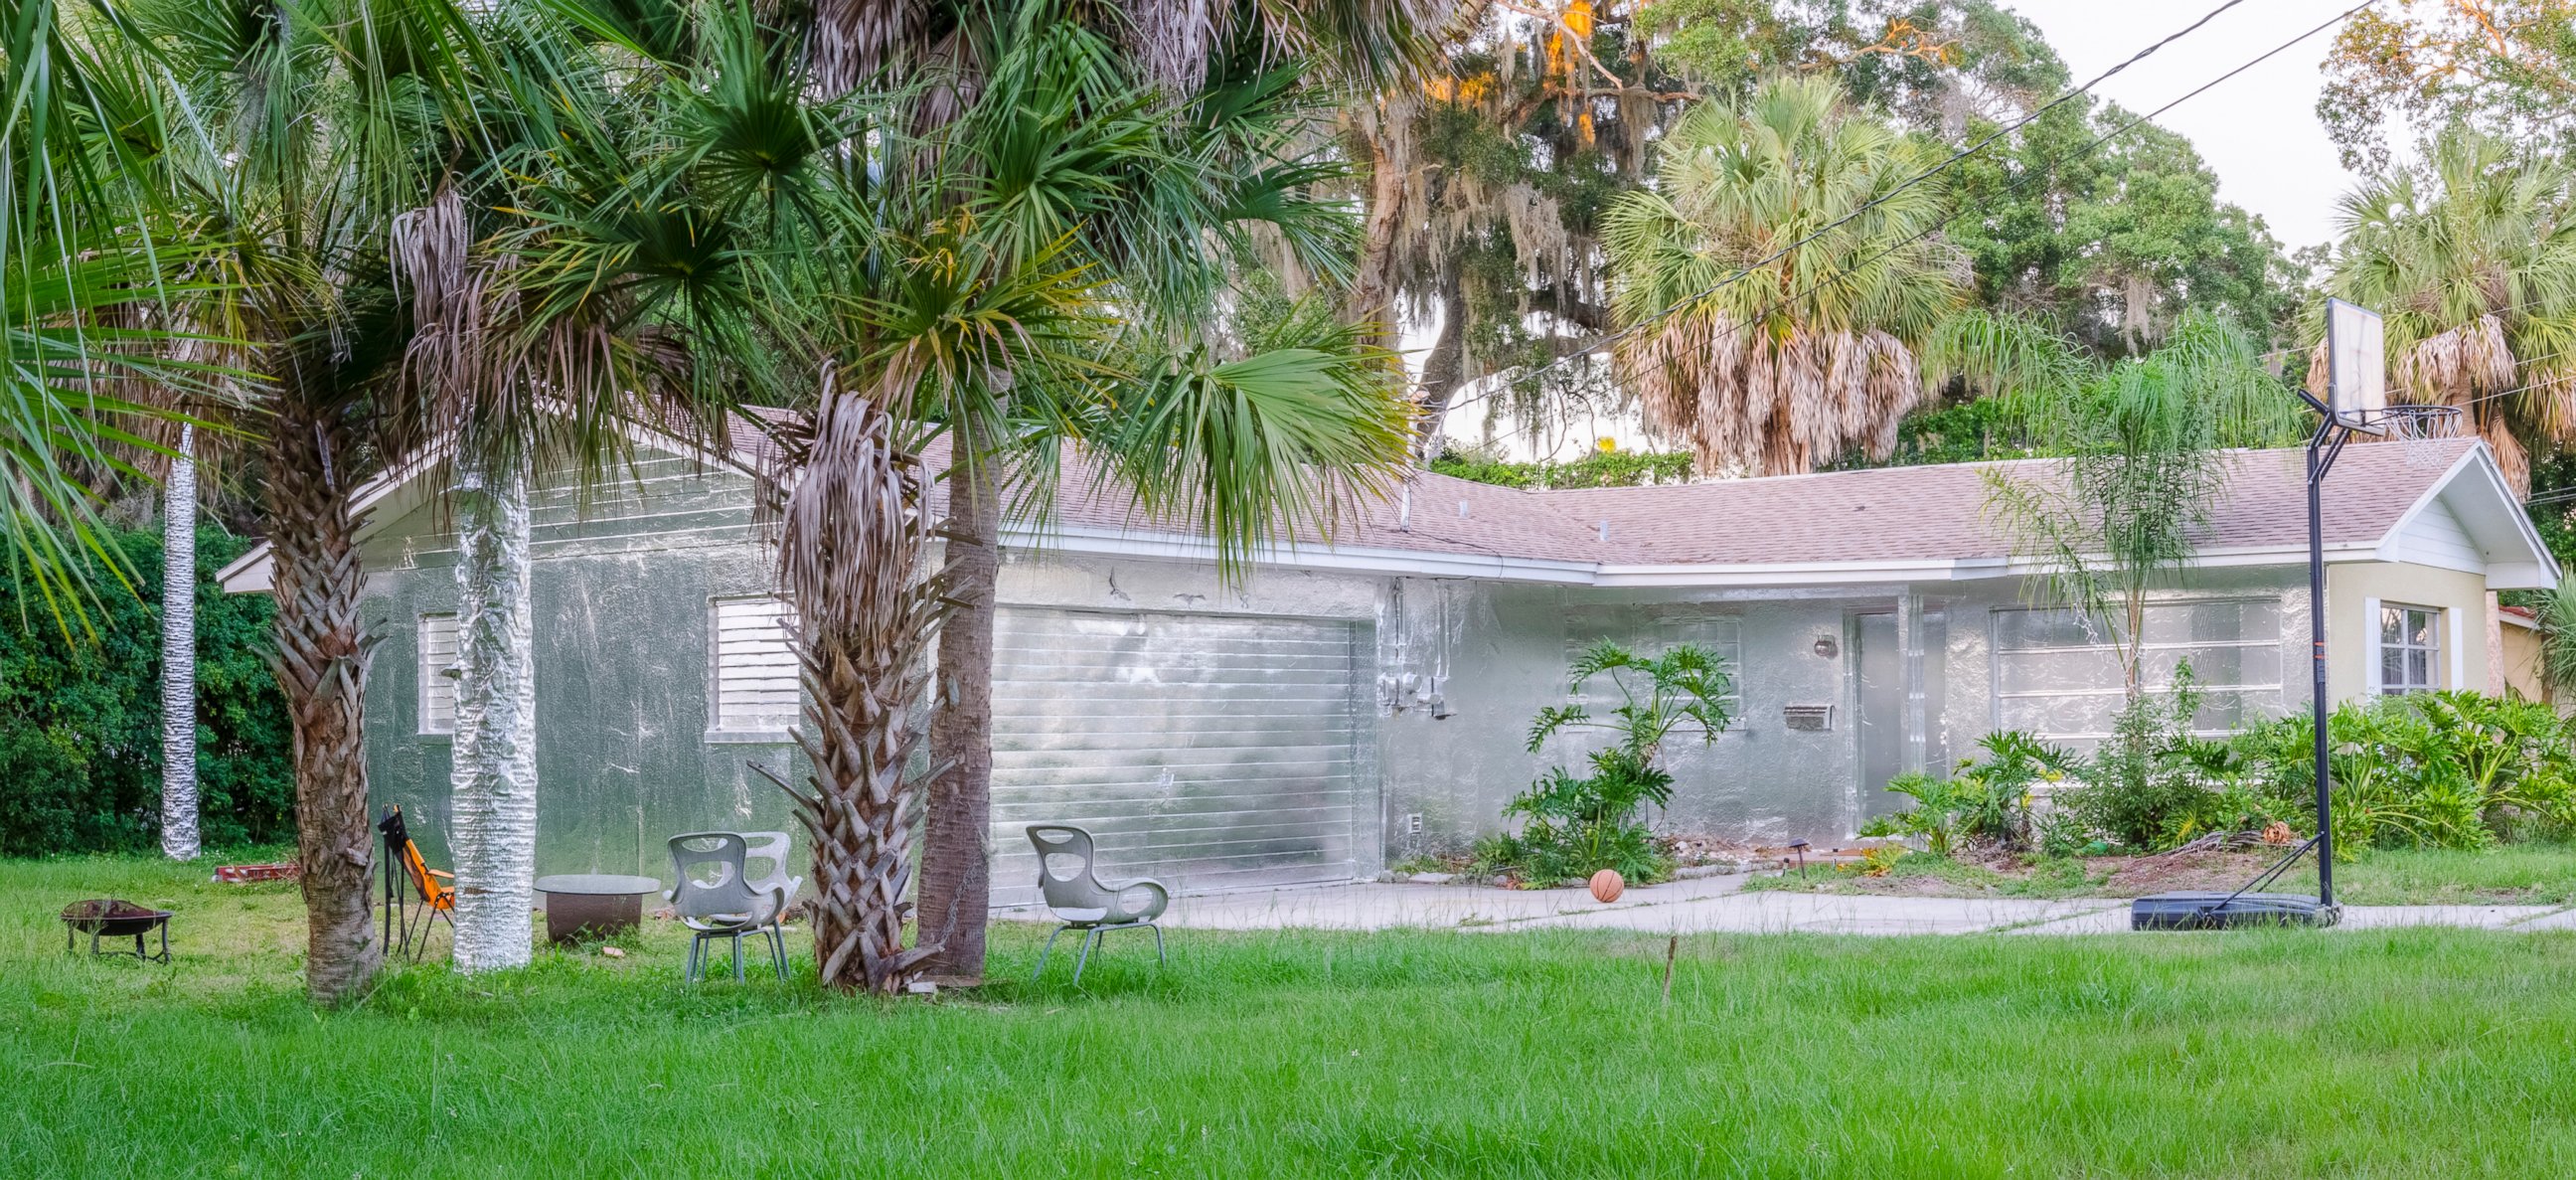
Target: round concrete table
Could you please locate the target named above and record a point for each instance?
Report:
(600, 904)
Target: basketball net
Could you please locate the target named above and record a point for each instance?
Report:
(2421, 429)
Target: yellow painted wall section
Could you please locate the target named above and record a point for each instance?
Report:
(2522, 661)
(2349, 622)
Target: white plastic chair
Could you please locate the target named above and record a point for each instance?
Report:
(1067, 860)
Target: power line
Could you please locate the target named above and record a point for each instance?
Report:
(1841, 274)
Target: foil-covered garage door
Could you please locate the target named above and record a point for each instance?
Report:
(1210, 752)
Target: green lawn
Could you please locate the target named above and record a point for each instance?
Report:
(2512, 874)
(2416, 1053)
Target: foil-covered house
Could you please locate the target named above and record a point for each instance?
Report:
(1358, 700)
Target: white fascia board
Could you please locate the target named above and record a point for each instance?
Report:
(1805, 573)
(1405, 562)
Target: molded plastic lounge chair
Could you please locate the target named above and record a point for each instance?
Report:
(714, 899)
(431, 887)
(775, 848)
(1082, 901)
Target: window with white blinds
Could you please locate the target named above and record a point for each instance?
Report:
(755, 669)
(438, 673)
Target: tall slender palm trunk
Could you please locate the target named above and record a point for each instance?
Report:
(179, 654)
(493, 774)
(322, 659)
(956, 858)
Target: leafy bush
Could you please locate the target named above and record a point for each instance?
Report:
(1600, 469)
(2439, 770)
(1574, 826)
(80, 720)
(1984, 800)
(2146, 787)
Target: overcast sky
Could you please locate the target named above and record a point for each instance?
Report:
(2258, 131)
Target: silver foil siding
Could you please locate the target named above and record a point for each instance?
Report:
(179, 654)
(1209, 752)
(1306, 726)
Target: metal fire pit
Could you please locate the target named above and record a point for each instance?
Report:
(109, 917)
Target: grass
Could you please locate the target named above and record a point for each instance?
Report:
(2264, 1054)
(2511, 874)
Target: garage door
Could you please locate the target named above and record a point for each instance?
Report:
(1209, 752)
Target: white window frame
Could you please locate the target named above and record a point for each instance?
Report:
(2442, 662)
(437, 679)
(720, 728)
(1998, 699)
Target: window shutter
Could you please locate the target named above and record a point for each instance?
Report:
(438, 673)
(755, 669)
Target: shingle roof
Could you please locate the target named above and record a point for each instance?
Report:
(1929, 513)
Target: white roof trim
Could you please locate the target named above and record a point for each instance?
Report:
(2521, 563)
(2536, 569)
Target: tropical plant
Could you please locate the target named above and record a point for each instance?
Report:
(1762, 369)
(1986, 800)
(2115, 519)
(92, 371)
(291, 138)
(1068, 214)
(2554, 617)
(2471, 260)
(545, 331)
(1684, 688)
(861, 635)
(1578, 825)
(2446, 769)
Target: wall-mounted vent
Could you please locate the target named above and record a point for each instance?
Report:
(755, 669)
(1807, 718)
(438, 673)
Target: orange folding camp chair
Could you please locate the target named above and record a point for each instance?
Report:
(432, 890)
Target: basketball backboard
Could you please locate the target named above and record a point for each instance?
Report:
(2356, 366)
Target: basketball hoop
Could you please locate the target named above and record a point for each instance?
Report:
(2419, 428)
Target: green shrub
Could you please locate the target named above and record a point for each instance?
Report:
(80, 720)
(2433, 770)
(1600, 469)
(1987, 800)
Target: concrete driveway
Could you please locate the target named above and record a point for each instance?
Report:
(1711, 905)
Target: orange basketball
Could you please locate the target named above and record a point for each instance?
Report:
(1607, 885)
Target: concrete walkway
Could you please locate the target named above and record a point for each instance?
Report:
(1711, 905)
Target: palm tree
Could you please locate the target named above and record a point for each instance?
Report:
(293, 135)
(2471, 259)
(1774, 372)
(545, 324)
(1130, 154)
(2140, 445)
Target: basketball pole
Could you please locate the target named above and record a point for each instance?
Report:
(2323, 446)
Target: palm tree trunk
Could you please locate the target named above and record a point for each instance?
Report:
(956, 865)
(855, 541)
(322, 659)
(179, 654)
(493, 775)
